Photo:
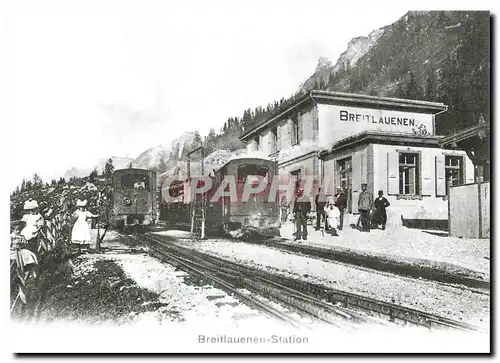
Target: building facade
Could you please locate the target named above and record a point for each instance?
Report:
(345, 140)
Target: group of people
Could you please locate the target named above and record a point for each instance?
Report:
(25, 233)
(372, 211)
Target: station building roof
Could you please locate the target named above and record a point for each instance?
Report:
(341, 98)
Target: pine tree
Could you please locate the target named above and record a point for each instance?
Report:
(413, 90)
(430, 86)
(93, 175)
(37, 181)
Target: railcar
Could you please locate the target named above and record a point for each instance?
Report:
(259, 213)
(134, 198)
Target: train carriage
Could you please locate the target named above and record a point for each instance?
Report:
(134, 198)
(259, 213)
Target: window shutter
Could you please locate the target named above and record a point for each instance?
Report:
(356, 180)
(468, 169)
(427, 182)
(393, 173)
(440, 176)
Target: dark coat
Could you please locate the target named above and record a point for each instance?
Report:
(320, 201)
(341, 201)
(302, 205)
(381, 204)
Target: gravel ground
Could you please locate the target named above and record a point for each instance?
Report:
(455, 303)
(462, 255)
(124, 285)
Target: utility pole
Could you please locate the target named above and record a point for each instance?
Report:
(193, 205)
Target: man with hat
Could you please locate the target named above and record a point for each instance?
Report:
(301, 208)
(380, 204)
(341, 204)
(365, 203)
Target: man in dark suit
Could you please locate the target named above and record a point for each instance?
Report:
(320, 202)
(301, 208)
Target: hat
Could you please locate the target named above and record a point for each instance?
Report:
(380, 192)
(30, 204)
(339, 188)
(19, 223)
(364, 184)
(81, 203)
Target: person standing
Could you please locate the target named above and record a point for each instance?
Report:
(80, 233)
(341, 204)
(284, 209)
(365, 203)
(320, 202)
(109, 169)
(301, 208)
(380, 204)
(33, 224)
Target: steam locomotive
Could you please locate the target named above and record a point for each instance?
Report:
(134, 198)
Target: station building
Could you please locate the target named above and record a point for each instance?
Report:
(348, 139)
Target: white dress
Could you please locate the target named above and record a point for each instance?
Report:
(333, 216)
(81, 230)
(33, 224)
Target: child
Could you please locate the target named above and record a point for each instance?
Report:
(80, 233)
(26, 259)
(332, 216)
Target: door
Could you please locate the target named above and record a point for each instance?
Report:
(345, 180)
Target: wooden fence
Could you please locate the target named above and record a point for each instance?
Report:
(469, 210)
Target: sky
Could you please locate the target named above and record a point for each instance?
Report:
(91, 79)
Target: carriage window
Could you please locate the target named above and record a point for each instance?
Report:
(245, 171)
(176, 189)
(135, 181)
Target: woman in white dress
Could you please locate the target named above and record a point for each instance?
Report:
(80, 234)
(33, 224)
(332, 216)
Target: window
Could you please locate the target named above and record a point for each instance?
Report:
(409, 174)
(345, 176)
(345, 173)
(135, 181)
(275, 147)
(247, 171)
(295, 131)
(296, 178)
(257, 143)
(453, 171)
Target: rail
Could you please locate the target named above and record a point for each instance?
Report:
(358, 307)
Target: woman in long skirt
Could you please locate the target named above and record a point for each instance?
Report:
(80, 234)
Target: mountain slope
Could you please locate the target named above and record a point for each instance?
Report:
(166, 153)
(436, 56)
(119, 162)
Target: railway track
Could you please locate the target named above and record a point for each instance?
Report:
(231, 279)
(369, 262)
(327, 304)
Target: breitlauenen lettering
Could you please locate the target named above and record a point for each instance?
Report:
(359, 117)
